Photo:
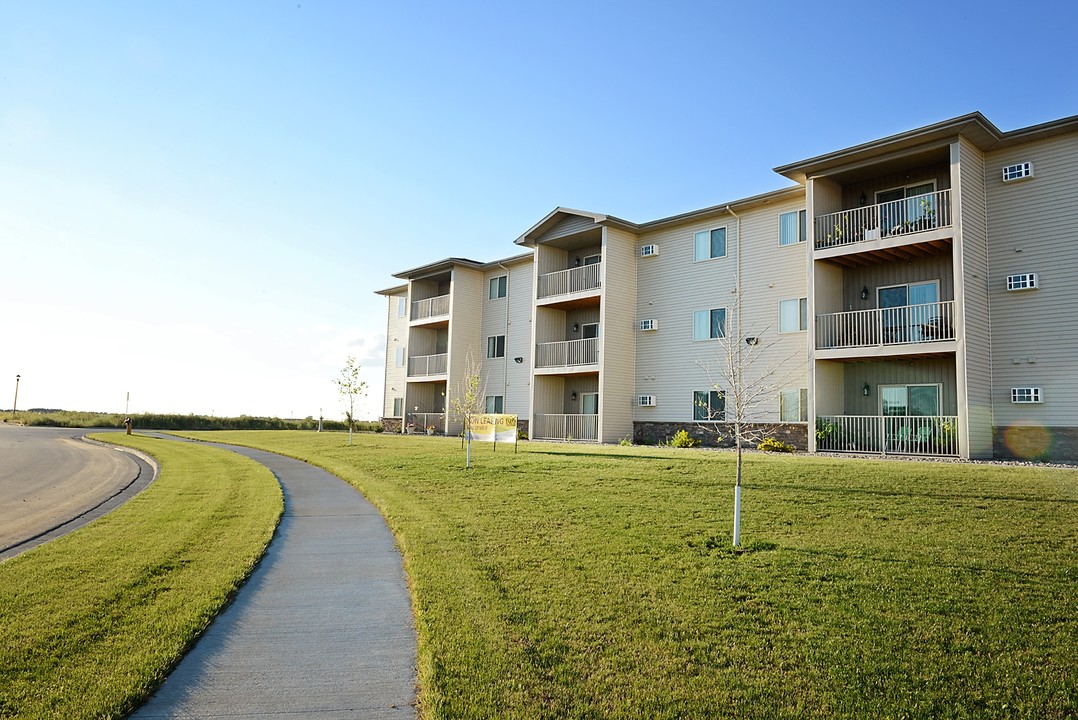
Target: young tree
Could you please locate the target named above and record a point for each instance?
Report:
(749, 376)
(349, 385)
(468, 400)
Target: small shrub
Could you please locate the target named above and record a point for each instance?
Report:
(625, 441)
(682, 439)
(773, 445)
(522, 434)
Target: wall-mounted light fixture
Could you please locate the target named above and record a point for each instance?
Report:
(576, 262)
(576, 327)
(866, 390)
(573, 396)
(752, 341)
(862, 199)
(864, 293)
(518, 360)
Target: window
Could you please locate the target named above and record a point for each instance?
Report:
(646, 401)
(498, 287)
(400, 357)
(398, 407)
(496, 346)
(1026, 395)
(793, 315)
(792, 228)
(1023, 281)
(709, 244)
(646, 325)
(709, 324)
(708, 405)
(1018, 171)
(402, 306)
(909, 400)
(495, 403)
(793, 405)
(649, 250)
(593, 259)
(589, 330)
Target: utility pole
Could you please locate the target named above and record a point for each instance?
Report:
(15, 403)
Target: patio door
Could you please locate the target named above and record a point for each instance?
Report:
(901, 323)
(901, 208)
(905, 409)
(589, 403)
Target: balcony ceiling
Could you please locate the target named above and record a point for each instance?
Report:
(894, 164)
(901, 253)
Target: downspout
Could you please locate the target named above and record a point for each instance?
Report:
(505, 356)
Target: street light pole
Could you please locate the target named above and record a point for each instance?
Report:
(15, 403)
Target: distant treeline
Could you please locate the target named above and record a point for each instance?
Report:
(43, 417)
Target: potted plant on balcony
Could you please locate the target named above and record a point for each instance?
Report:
(430, 429)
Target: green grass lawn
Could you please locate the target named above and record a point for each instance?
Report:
(572, 581)
(91, 622)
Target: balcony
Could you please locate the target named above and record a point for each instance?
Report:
(566, 427)
(892, 219)
(434, 307)
(418, 422)
(888, 435)
(569, 353)
(424, 365)
(927, 323)
(573, 280)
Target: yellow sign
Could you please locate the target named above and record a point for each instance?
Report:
(494, 428)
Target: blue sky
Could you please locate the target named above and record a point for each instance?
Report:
(199, 199)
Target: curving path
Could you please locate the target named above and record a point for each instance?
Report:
(322, 629)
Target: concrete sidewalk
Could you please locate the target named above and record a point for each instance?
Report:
(322, 629)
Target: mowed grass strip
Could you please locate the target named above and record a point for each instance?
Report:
(90, 623)
(573, 581)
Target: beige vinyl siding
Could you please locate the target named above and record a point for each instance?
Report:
(926, 269)
(617, 336)
(974, 340)
(939, 173)
(396, 336)
(568, 226)
(899, 371)
(519, 342)
(465, 332)
(772, 273)
(504, 376)
(1034, 331)
(670, 364)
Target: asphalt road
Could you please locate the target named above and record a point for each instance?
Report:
(51, 482)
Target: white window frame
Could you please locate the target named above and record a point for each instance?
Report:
(398, 407)
(907, 386)
(725, 319)
(1017, 171)
(402, 356)
(725, 243)
(711, 415)
(498, 287)
(495, 404)
(1026, 395)
(802, 404)
(584, 333)
(649, 250)
(593, 259)
(802, 315)
(402, 307)
(802, 228)
(903, 188)
(493, 347)
(1022, 281)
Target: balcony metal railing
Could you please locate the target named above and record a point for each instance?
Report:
(430, 307)
(422, 365)
(418, 422)
(564, 282)
(872, 222)
(930, 322)
(894, 435)
(567, 353)
(566, 427)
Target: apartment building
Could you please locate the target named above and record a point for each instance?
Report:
(907, 295)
